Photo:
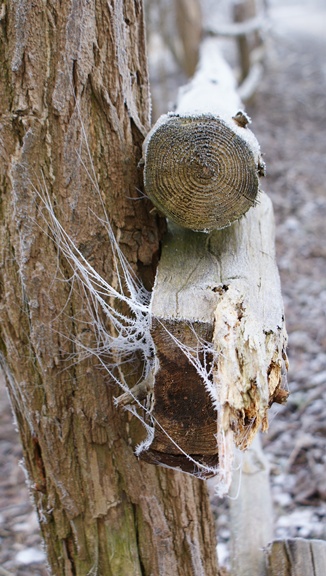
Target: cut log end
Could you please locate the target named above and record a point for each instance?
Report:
(199, 172)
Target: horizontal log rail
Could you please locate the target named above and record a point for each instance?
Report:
(220, 288)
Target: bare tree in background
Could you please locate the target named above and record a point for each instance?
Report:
(74, 87)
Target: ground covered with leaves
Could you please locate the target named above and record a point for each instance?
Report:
(289, 119)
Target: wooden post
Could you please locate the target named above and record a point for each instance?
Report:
(218, 320)
(251, 512)
(296, 557)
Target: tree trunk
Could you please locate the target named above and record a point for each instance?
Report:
(74, 88)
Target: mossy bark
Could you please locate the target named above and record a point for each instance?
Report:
(68, 70)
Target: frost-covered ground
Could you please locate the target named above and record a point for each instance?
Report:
(290, 122)
(289, 119)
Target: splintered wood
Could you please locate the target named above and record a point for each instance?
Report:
(217, 312)
(296, 557)
(221, 289)
(249, 332)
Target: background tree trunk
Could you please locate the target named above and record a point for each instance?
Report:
(69, 70)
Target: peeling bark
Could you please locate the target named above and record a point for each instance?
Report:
(70, 70)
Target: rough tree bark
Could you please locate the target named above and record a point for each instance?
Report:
(67, 69)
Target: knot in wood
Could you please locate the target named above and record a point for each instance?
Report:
(199, 172)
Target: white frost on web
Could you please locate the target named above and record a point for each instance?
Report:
(130, 333)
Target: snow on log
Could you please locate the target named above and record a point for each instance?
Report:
(217, 312)
(199, 172)
(254, 24)
(202, 163)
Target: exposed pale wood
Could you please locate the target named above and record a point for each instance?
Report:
(296, 557)
(251, 512)
(249, 328)
(226, 284)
